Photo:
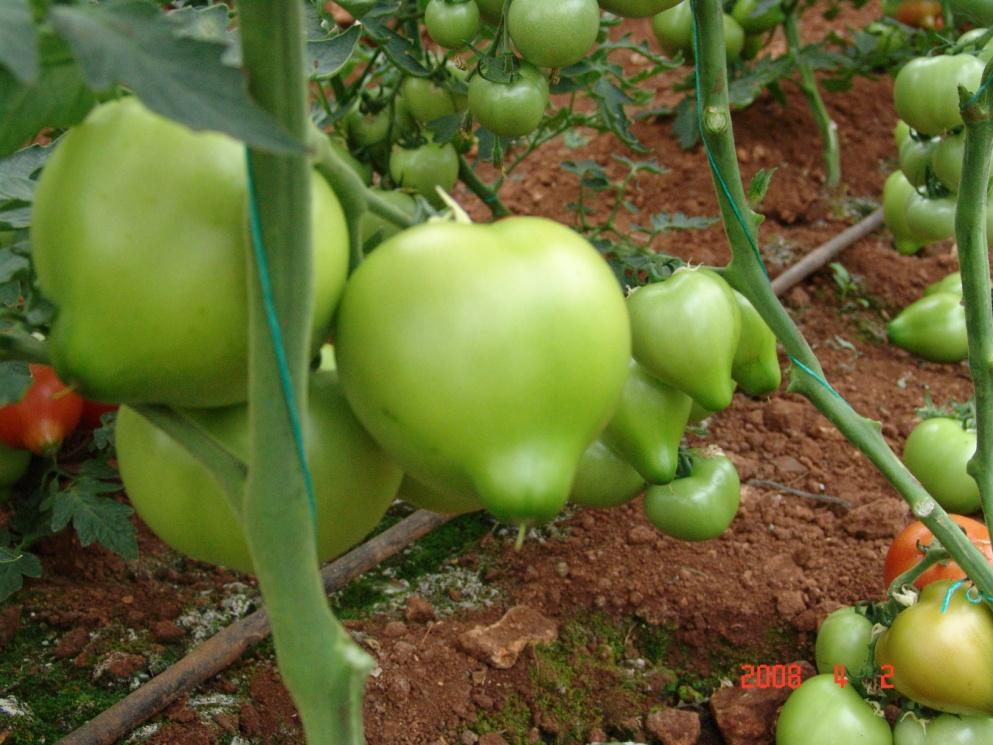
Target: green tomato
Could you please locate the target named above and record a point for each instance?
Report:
(452, 23)
(951, 283)
(699, 506)
(901, 133)
(985, 54)
(367, 128)
(752, 45)
(930, 220)
(756, 18)
(915, 158)
(648, 424)
(897, 192)
(909, 730)
(375, 229)
(178, 498)
(937, 453)
(821, 712)
(473, 370)
(942, 659)
(421, 169)
(674, 29)
(511, 109)
(756, 363)
(424, 497)
(698, 413)
(734, 38)
(553, 33)
(932, 328)
(603, 479)
(491, 10)
(926, 90)
(426, 100)
(845, 638)
(975, 12)
(685, 332)
(636, 8)
(949, 729)
(13, 465)
(947, 160)
(148, 271)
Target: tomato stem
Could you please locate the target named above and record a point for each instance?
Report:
(323, 669)
(970, 234)
(478, 187)
(808, 84)
(747, 274)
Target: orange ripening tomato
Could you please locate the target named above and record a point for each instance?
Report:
(904, 552)
(48, 413)
(919, 13)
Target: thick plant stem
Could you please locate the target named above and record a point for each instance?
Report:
(747, 274)
(322, 668)
(808, 84)
(970, 234)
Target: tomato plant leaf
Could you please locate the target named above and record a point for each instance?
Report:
(13, 265)
(326, 57)
(662, 221)
(128, 42)
(58, 98)
(611, 101)
(759, 185)
(12, 216)
(19, 41)
(17, 169)
(684, 126)
(15, 379)
(15, 565)
(95, 518)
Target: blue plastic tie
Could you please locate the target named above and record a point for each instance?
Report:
(258, 249)
(725, 189)
(948, 594)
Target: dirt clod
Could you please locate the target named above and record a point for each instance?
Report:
(881, 518)
(71, 644)
(167, 631)
(748, 716)
(10, 620)
(500, 644)
(674, 726)
(419, 610)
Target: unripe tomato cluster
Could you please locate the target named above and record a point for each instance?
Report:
(746, 28)
(919, 199)
(499, 366)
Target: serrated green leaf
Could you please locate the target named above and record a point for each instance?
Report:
(16, 171)
(58, 98)
(15, 216)
(15, 379)
(12, 265)
(130, 43)
(446, 127)
(611, 101)
(326, 57)
(662, 221)
(15, 565)
(685, 125)
(95, 518)
(19, 41)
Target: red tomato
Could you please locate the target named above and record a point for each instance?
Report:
(92, 411)
(48, 413)
(920, 13)
(904, 551)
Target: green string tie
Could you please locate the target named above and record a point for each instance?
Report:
(726, 190)
(258, 249)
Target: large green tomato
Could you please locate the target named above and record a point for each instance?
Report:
(491, 10)
(485, 358)
(820, 712)
(636, 8)
(910, 730)
(942, 659)
(949, 729)
(452, 23)
(897, 192)
(424, 497)
(756, 363)
(553, 33)
(648, 424)
(755, 19)
(933, 328)
(937, 452)
(915, 158)
(845, 638)
(926, 90)
(425, 167)
(985, 54)
(946, 161)
(685, 331)
(950, 283)
(603, 479)
(930, 220)
(699, 506)
(354, 481)
(674, 30)
(511, 109)
(139, 239)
